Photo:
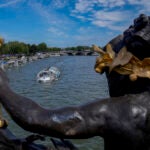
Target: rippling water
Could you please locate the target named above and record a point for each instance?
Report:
(77, 84)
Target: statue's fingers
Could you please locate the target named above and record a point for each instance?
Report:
(3, 123)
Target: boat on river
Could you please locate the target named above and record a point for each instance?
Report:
(48, 75)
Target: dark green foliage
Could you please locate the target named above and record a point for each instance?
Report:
(15, 47)
(42, 47)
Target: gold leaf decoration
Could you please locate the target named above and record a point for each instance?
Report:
(103, 60)
(122, 58)
(124, 63)
(110, 51)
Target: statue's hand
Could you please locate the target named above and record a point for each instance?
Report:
(3, 78)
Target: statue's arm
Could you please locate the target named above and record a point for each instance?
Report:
(69, 122)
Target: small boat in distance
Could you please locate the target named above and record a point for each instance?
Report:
(48, 75)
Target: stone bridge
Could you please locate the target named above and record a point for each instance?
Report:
(79, 53)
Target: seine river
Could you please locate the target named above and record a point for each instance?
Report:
(78, 84)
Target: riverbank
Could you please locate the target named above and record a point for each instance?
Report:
(8, 61)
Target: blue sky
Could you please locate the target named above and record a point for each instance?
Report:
(64, 23)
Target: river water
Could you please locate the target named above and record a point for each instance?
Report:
(77, 84)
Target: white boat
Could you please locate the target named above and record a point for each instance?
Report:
(48, 75)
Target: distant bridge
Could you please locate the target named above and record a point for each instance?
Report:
(79, 53)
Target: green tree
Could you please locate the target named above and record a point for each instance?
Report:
(33, 49)
(1, 41)
(42, 47)
(4, 49)
(1, 45)
(16, 47)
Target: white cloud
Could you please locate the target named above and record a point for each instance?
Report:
(109, 15)
(105, 14)
(59, 3)
(143, 4)
(99, 13)
(110, 3)
(102, 13)
(136, 2)
(109, 19)
(55, 31)
(9, 3)
(102, 23)
(83, 6)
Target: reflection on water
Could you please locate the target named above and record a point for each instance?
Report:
(77, 84)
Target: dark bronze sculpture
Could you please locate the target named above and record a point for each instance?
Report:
(123, 119)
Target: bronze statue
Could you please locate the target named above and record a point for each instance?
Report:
(123, 122)
(123, 119)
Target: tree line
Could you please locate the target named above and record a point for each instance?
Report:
(16, 47)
